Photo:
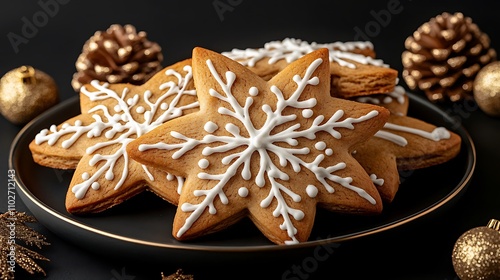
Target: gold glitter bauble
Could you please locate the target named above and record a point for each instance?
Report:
(476, 254)
(487, 89)
(26, 92)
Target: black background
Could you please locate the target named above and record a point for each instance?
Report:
(419, 250)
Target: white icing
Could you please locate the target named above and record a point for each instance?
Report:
(394, 138)
(291, 49)
(243, 192)
(312, 191)
(307, 113)
(439, 133)
(377, 181)
(203, 163)
(320, 145)
(397, 94)
(253, 91)
(210, 127)
(262, 142)
(140, 110)
(120, 127)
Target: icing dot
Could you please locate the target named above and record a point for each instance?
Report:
(117, 108)
(311, 191)
(253, 91)
(170, 177)
(95, 186)
(440, 133)
(243, 192)
(109, 175)
(307, 113)
(164, 106)
(210, 127)
(299, 215)
(85, 176)
(203, 163)
(320, 145)
(140, 109)
(78, 123)
(329, 152)
(130, 101)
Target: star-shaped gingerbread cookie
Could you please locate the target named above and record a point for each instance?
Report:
(404, 143)
(270, 150)
(354, 69)
(94, 142)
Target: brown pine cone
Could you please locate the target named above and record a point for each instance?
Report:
(117, 55)
(444, 55)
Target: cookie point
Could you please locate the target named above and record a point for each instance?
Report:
(199, 51)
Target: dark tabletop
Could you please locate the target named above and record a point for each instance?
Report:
(417, 250)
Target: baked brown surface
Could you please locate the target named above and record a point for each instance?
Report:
(353, 67)
(243, 154)
(405, 143)
(128, 140)
(94, 142)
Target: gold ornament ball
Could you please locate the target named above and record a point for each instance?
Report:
(476, 254)
(25, 92)
(486, 89)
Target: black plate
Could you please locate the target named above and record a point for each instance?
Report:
(141, 226)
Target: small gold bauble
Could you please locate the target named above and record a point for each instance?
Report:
(26, 92)
(476, 254)
(487, 89)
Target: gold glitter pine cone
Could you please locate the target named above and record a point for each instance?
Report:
(444, 55)
(117, 55)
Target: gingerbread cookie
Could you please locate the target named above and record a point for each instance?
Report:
(405, 143)
(95, 141)
(396, 102)
(272, 151)
(353, 69)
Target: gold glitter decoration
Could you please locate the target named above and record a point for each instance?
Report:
(487, 89)
(13, 229)
(444, 55)
(26, 92)
(476, 254)
(118, 55)
(178, 275)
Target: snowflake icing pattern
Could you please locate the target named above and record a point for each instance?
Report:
(120, 127)
(291, 49)
(263, 142)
